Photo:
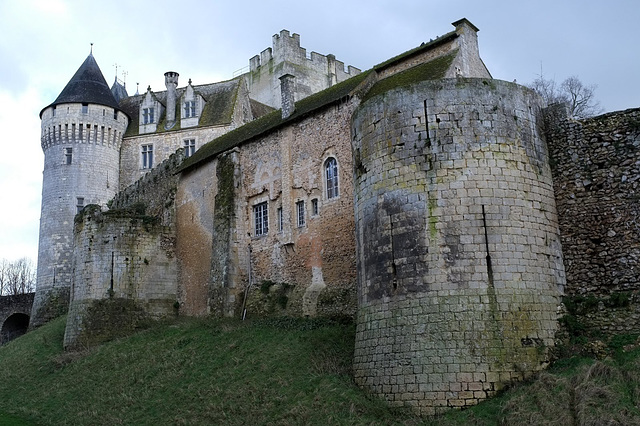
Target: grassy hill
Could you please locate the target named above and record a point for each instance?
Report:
(276, 372)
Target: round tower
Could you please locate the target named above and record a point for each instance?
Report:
(81, 136)
(458, 253)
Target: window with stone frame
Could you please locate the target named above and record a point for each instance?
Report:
(190, 109)
(261, 219)
(314, 207)
(189, 147)
(147, 156)
(68, 154)
(300, 214)
(79, 204)
(148, 115)
(280, 220)
(331, 177)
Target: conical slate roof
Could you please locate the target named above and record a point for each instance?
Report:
(87, 86)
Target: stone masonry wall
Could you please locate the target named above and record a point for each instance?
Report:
(596, 172)
(165, 144)
(310, 267)
(459, 261)
(128, 274)
(154, 193)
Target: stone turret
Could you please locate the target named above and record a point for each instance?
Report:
(171, 82)
(81, 136)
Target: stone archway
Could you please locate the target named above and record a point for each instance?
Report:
(14, 326)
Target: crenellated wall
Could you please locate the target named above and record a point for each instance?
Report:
(313, 73)
(458, 253)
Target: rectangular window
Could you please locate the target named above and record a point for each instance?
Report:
(261, 218)
(147, 115)
(80, 129)
(314, 207)
(300, 213)
(280, 220)
(85, 108)
(53, 112)
(147, 156)
(189, 147)
(79, 204)
(73, 132)
(190, 109)
(68, 153)
(95, 133)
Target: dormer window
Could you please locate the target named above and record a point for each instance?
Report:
(147, 115)
(190, 109)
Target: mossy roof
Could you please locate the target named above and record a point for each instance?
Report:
(272, 121)
(434, 69)
(220, 99)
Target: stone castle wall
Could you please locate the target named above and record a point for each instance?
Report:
(154, 193)
(459, 261)
(596, 171)
(296, 270)
(128, 274)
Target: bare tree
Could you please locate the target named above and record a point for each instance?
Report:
(17, 277)
(579, 98)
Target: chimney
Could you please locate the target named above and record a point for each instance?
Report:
(171, 81)
(287, 83)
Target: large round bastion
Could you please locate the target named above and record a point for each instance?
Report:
(459, 260)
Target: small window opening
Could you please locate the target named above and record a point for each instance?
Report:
(300, 213)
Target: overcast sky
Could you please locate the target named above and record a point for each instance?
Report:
(43, 42)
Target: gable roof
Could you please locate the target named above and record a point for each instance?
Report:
(86, 86)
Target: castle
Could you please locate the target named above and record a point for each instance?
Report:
(418, 197)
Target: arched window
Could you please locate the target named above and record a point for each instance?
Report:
(331, 177)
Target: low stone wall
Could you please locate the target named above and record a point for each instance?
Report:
(128, 275)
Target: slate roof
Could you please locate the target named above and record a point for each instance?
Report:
(220, 99)
(86, 86)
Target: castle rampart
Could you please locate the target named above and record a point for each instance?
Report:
(459, 261)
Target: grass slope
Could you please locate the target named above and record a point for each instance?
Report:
(280, 372)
